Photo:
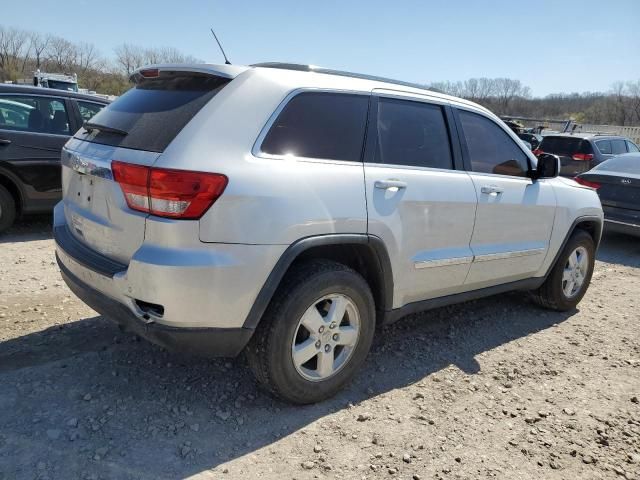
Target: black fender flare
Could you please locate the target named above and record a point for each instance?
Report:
(295, 249)
(599, 223)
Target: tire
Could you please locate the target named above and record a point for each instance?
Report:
(309, 289)
(7, 209)
(552, 294)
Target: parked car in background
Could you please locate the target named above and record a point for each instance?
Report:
(581, 152)
(34, 125)
(221, 208)
(617, 182)
(532, 138)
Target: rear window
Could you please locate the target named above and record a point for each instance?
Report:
(320, 125)
(565, 146)
(150, 115)
(621, 164)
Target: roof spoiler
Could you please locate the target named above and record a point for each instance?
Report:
(224, 71)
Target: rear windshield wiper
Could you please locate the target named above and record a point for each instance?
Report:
(89, 126)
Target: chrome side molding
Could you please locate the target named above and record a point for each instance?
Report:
(447, 262)
(503, 255)
(443, 262)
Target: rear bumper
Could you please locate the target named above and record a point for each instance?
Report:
(208, 342)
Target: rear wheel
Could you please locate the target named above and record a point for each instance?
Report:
(7, 209)
(315, 334)
(568, 281)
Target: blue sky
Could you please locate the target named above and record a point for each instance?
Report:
(551, 46)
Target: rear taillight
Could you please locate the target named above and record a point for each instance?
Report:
(537, 151)
(587, 183)
(582, 156)
(168, 193)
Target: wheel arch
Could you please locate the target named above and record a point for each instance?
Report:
(591, 224)
(11, 183)
(366, 254)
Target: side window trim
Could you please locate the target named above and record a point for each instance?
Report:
(465, 149)
(257, 152)
(371, 141)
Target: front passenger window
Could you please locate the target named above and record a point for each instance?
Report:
(491, 149)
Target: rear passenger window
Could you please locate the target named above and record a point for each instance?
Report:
(618, 147)
(33, 114)
(490, 148)
(604, 146)
(632, 147)
(412, 133)
(320, 125)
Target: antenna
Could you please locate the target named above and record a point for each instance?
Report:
(226, 60)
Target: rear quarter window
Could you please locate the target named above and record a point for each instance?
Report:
(154, 111)
(323, 125)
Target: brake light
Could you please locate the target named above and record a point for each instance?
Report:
(166, 192)
(587, 183)
(150, 73)
(134, 181)
(537, 152)
(582, 156)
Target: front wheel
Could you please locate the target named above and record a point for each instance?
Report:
(570, 277)
(315, 334)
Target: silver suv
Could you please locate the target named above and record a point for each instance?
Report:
(285, 211)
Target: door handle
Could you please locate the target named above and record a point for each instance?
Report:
(491, 190)
(4, 141)
(387, 184)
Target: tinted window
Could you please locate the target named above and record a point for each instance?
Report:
(632, 147)
(622, 164)
(604, 146)
(154, 111)
(412, 133)
(34, 114)
(88, 109)
(618, 147)
(320, 125)
(565, 146)
(490, 148)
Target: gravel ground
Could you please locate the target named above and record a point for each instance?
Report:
(492, 388)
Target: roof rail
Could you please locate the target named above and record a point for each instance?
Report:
(312, 68)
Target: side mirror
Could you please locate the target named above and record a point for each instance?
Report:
(548, 166)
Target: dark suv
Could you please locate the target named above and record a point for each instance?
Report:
(581, 152)
(34, 125)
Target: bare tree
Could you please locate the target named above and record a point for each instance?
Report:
(620, 102)
(13, 48)
(39, 44)
(506, 89)
(129, 57)
(633, 89)
(87, 57)
(62, 54)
